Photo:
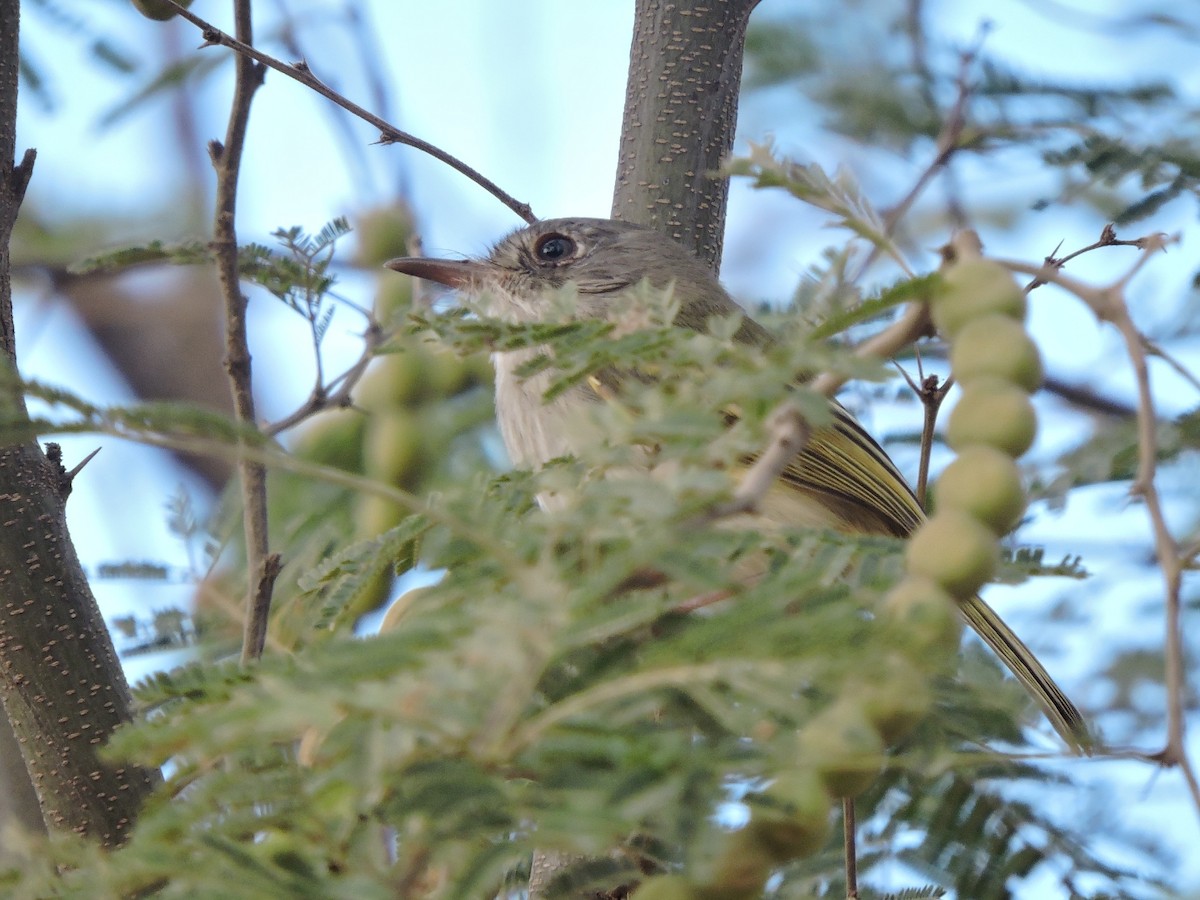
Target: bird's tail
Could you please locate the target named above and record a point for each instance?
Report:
(847, 471)
(1062, 713)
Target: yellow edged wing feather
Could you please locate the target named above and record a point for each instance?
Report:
(847, 473)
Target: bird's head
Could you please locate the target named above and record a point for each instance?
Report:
(600, 258)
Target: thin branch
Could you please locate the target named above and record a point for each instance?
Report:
(931, 395)
(270, 456)
(948, 143)
(913, 324)
(335, 394)
(1101, 300)
(1087, 399)
(1108, 238)
(389, 134)
(227, 160)
(1180, 369)
(850, 848)
(1109, 304)
(1165, 549)
(789, 433)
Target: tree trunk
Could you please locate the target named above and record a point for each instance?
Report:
(60, 682)
(18, 800)
(685, 71)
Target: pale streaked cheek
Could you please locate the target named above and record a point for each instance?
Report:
(506, 301)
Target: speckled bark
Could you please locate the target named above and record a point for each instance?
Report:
(18, 800)
(685, 72)
(61, 685)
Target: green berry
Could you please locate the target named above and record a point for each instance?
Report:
(157, 10)
(973, 289)
(924, 618)
(999, 347)
(985, 483)
(791, 816)
(955, 551)
(896, 698)
(844, 747)
(994, 412)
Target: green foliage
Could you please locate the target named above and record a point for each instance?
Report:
(189, 253)
(574, 679)
(301, 278)
(908, 290)
(187, 71)
(840, 194)
(608, 674)
(1167, 170)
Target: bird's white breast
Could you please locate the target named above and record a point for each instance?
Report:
(534, 431)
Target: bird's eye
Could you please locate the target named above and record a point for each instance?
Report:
(553, 247)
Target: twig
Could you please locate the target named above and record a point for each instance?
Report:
(261, 567)
(389, 134)
(1108, 238)
(267, 455)
(1165, 549)
(788, 435)
(1108, 303)
(700, 601)
(913, 324)
(1087, 399)
(850, 849)
(337, 393)
(947, 145)
(931, 395)
(1180, 369)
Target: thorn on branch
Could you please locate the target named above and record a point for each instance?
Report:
(66, 479)
(19, 178)
(1108, 238)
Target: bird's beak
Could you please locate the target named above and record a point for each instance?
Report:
(455, 273)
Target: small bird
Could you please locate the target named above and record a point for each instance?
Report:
(842, 479)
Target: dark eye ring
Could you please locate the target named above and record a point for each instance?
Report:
(553, 247)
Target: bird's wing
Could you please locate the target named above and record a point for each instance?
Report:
(843, 467)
